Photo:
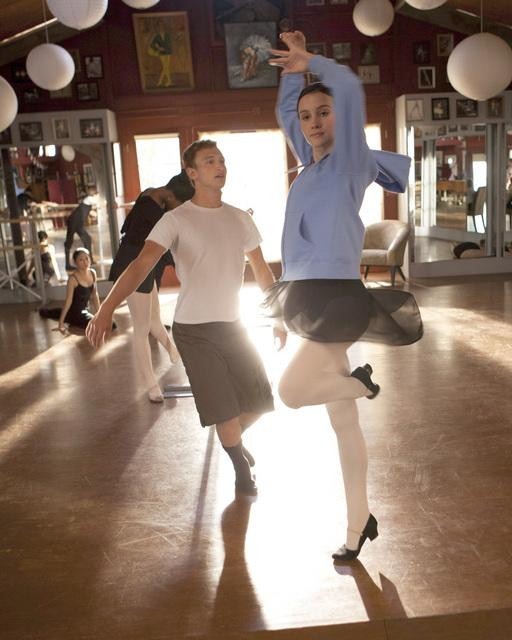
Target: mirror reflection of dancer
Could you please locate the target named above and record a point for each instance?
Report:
(76, 222)
(320, 295)
(209, 241)
(143, 303)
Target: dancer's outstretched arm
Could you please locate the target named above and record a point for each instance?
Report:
(99, 327)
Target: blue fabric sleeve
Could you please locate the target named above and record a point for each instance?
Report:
(393, 170)
(289, 90)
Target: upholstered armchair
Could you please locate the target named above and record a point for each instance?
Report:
(384, 246)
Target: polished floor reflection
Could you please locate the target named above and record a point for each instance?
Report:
(119, 518)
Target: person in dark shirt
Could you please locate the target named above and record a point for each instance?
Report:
(76, 224)
(143, 303)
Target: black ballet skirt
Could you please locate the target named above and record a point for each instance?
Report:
(345, 311)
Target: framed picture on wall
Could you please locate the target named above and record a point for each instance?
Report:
(444, 44)
(369, 74)
(91, 128)
(317, 48)
(247, 52)
(426, 77)
(163, 51)
(87, 91)
(466, 108)
(31, 95)
(223, 12)
(368, 53)
(89, 177)
(61, 129)
(65, 92)
(440, 109)
(31, 131)
(495, 107)
(421, 52)
(414, 110)
(93, 66)
(315, 3)
(341, 51)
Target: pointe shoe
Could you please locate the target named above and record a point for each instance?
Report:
(363, 374)
(155, 394)
(370, 531)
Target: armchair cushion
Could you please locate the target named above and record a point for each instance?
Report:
(384, 243)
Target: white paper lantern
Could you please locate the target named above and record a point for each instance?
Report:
(480, 66)
(67, 152)
(141, 4)
(8, 104)
(425, 5)
(373, 17)
(78, 14)
(50, 66)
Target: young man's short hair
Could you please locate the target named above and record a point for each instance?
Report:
(189, 155)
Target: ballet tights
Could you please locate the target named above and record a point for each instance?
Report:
(319, 373)
(145, 312)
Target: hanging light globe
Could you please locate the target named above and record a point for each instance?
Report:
(67, 152)
(50, 66)
(8, 104)
(373, 17)
(480, 66)
(425, 5)
(78, 14)
(141, 4)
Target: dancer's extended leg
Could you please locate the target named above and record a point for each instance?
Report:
(140, 309)
(157, 328)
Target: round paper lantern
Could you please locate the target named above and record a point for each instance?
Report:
(373, 17)
(67, 152)
(78, 14)
(50, 67)
(8, 104)
(480, 66)
(425, 5)
(141, 4)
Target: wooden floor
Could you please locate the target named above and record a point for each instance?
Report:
(118, 518)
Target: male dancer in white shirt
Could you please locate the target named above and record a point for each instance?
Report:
(209, 241)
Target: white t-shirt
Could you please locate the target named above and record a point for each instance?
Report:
(209, 247)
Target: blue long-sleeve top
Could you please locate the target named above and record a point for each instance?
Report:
(323, 233)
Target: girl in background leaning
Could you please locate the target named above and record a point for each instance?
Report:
(320, 295)
(144, 306)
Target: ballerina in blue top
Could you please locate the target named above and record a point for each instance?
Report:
(320, 295)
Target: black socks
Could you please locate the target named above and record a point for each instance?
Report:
(244, 481)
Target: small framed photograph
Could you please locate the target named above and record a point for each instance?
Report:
(495, 107)
(414, 110)
(440, 109)
(61, 130)
(89, 177)
(368, 53)
(369, 74)
(341, 51)
(31, 131)
(31, 95)
(426, 77)
(93, 66)
(317, 48)
(466, 108)
(87, 91)
(421, 52)
(65, 92)
(453, 128)
(91, 128)
(444, 44)
(441, 131)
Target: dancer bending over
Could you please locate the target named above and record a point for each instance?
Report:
(320, 295)
(143, 303)
(209, 241)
